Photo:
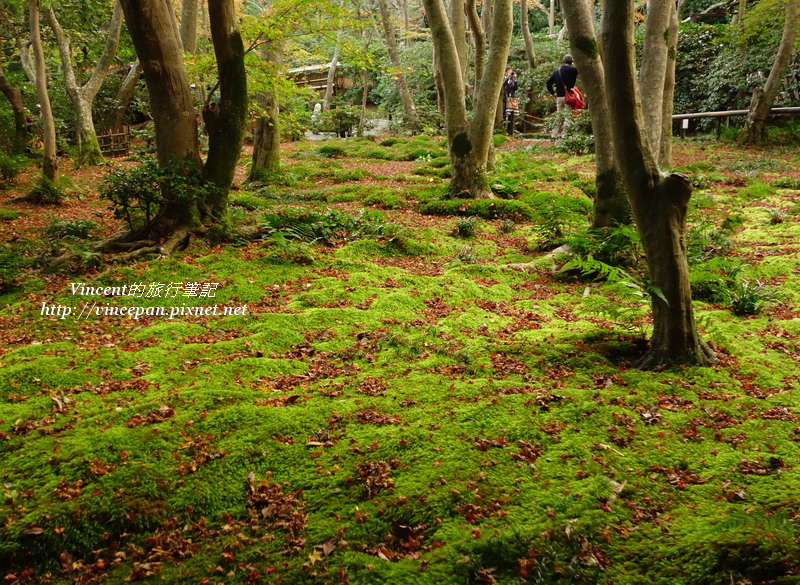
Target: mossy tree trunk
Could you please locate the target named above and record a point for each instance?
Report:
(762, 101)
(14, 97)
(82, 97)
(611, 201)
(469, 141)
(50, 160)
(659, 202)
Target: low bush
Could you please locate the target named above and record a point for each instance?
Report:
(483, 208)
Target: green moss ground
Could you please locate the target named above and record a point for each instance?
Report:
(391, 408)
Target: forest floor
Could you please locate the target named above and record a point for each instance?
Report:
(387, 390)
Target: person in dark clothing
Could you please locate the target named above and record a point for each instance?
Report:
(558, 83)
(510, 102)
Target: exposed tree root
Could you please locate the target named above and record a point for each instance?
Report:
(128, 247)
(661, 358)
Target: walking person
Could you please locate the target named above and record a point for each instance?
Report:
(511, 108)
(558, 83)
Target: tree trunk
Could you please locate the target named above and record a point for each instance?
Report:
(159, 51)
(551, 19)
(83, 96)
(189, 26)
(665, 147)
(14, 97)
(659, 203)
(226, 133)
(438, 83)
(266, 142)
(458, 26)
(267, 132)
(761, 104)
(50, 161)
(530, 54)
(411, 119)
(469, 142)
(479, 40)
(653, 73)
(124, 96)
(326, 100)
(610, 203)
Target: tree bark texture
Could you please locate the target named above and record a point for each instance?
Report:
(458, 25)
(50, 161)
(411, 119)
(762, 101)
(189, 26)
(226, 133)
(611, 203)
(267, 131)
(655, 55)
(83, 96)
(124, 96)
(14, 97)
(659, 203)
(159, 51)
(469, 141)
(530, 54)
(668, 100)
(479, 40)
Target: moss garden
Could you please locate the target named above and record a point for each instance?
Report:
(390, 387)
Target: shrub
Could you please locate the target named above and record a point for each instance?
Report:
(618, 245)
(345, 175)
(331, 151)
(483, 208)
(466, 227)
(10, 167)
(750, 299)
(248, 202)
(46, 192)
(8, 214)
(11, 263)
(138, 192)
(72, 228)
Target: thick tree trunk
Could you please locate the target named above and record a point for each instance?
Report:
(189, 26)
(50, 161)
(659, 203)
(82, 97)
(762, 101)
(226, 134)
(14, 97)
(410, 117)
(159, 51)
(124, 96)
(611, 202)
(469, 142)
